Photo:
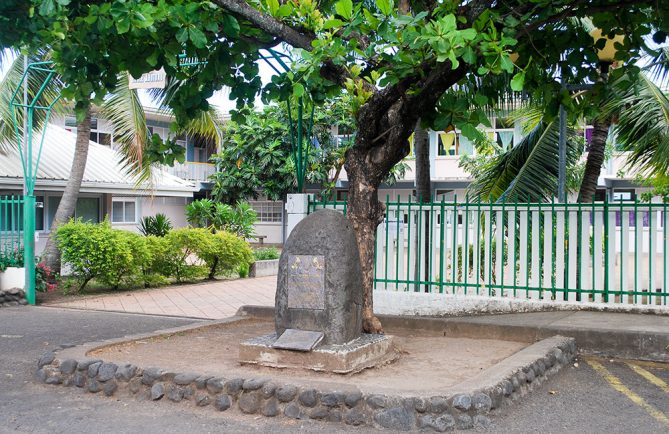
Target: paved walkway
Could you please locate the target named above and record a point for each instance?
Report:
(209, 300)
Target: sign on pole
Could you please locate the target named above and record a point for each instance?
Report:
(150, 80)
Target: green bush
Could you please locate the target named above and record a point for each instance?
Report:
(181, 251)
(11, 259)
(98, 251)
(239, 220)
(267, 253)
(222, 252)
(140, 259)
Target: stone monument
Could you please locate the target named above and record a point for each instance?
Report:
(318, 317)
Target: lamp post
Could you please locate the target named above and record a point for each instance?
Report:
(606, 57)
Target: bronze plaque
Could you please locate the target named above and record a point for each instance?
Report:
(306, 282)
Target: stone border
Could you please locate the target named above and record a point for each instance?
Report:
(12, 297)
(470, 406)
(267, 267)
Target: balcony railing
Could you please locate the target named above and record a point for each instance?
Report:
(192, 171)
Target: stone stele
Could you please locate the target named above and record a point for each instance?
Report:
(319, 285)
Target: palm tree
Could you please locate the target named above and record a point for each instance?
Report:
(636, 107)
(126, 113)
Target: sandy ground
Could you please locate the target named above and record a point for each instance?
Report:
(429, 364)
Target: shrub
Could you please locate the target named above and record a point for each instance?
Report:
(98, 251)
(223, 252)
(158, 225)
(238, 220)
(11, 259)
(181, 250)
(267, 253)
(44, 276)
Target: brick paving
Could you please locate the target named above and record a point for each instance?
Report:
(210, 300)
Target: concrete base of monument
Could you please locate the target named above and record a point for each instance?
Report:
(367, 351)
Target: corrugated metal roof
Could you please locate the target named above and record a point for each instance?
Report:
(104, 171)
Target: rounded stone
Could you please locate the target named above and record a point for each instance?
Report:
(188, 392)
(68, 366)
(46, 359)
(515, 382)
(234, 386)
(462, 402)
(308, 398)
(293, 411)
(93, 369)
(106, 372)
(268, 390)
(201, 381)
(481, 421)
(440, 423)
(286, 393)
(507, 388)
(352, 399)
(157, 391)
(254, 383)
(202, 399)
(109, 388)
(185, 379)
(529, 374)
(335, 415)
(249, 403)
(397, 418)
(54, 379)
(481, 402)
(464, 421)
(271, 408)
(222, 403)
(540, 368)
(549, 360)
(332, 399)
(150, 376)
(94, 386)
(79, 379)
(355, 417)
(376, 401)
(215, 385)
(175, 393)
(319, 413)
(337, 312)
(41, 375)
(126, 372)
(438, 404)
(420, 404)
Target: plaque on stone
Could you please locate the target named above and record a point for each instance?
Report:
(298, 340)
(306, 282)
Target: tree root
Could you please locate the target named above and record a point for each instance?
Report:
(372, 325)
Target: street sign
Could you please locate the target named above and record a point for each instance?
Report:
(150, 80)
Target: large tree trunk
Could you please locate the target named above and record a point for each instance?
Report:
(68, 203)
(595, 160)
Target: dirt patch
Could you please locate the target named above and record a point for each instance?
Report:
(430, 363)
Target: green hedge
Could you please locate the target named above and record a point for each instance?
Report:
(116, 257)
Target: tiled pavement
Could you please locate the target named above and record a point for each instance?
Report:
(210, 300)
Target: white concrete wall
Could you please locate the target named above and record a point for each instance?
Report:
(272, 231)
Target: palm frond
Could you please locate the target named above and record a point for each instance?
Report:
(35, 80)
(642, 126)
(125, 112)
(658, 67)
(529, 170)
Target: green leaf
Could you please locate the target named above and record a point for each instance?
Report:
(273, 6)
(330, 24)
(518, 81)
(298, 90)
(385, 6)
(344, 8)
(182, 35)
(284, 11)
(197, 37)
(231, 26)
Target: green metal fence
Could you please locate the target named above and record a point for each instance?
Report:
(11, 224)
(601, 252)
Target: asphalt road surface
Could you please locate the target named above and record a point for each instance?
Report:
(598, 396)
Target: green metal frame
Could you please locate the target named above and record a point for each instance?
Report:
(30, 169)
(299, 149)
(484, 219)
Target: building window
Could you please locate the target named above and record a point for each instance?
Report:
(268, 211)
(124, 211)
(101, 138)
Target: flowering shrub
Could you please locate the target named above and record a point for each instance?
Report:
(11, 259)
(44, 278)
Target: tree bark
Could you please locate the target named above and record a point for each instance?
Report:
(68, 203)
(595, 160)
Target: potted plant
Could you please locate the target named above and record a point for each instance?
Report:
(12, 272)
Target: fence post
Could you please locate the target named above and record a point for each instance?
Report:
(29, 246)
(297, 207)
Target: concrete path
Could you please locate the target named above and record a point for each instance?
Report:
(207, 300)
